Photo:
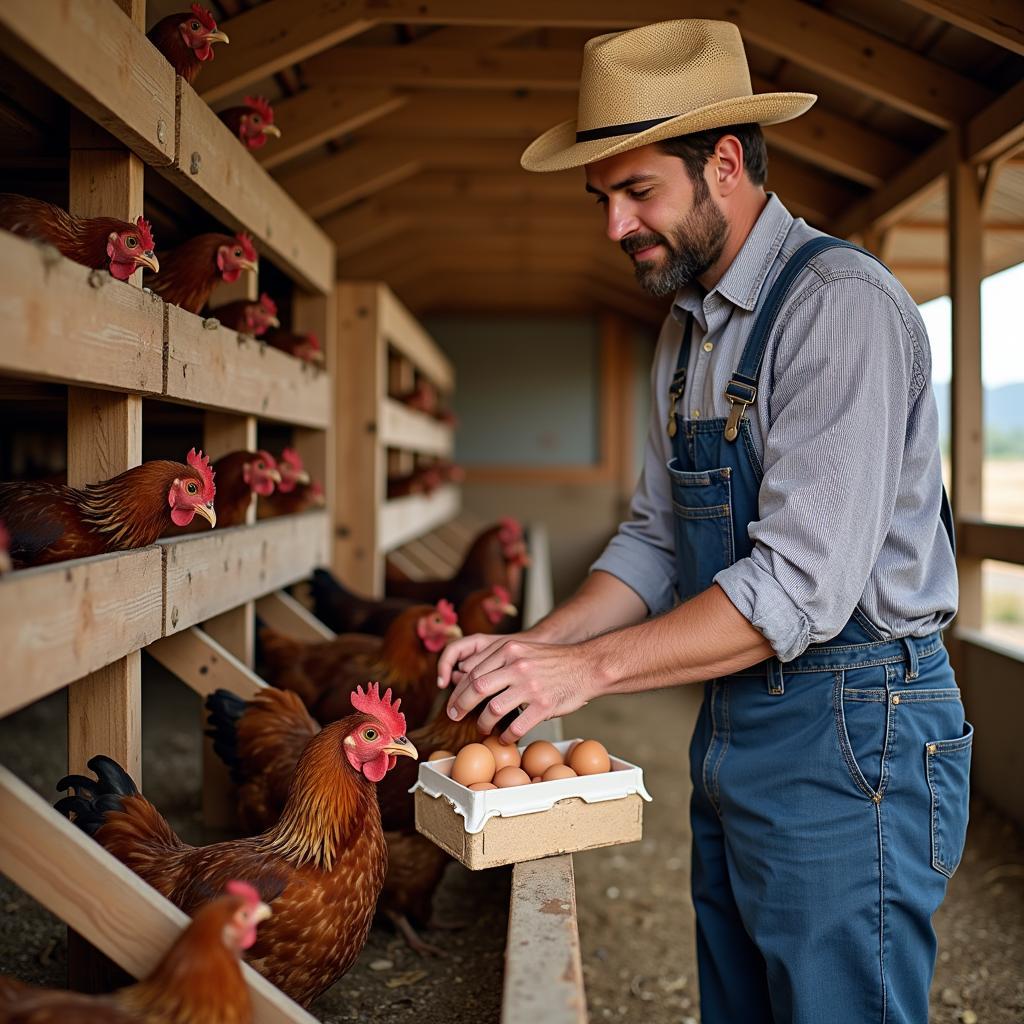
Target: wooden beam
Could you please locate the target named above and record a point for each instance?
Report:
(282, 612)
(361, 227)
(998, 128)
(403, 519)
(999, 21)
(977, 538)
(275, 35)
(325, 112)
(205, 665)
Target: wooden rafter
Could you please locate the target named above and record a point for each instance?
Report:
(998, 128)
(358, 229)
(999, 21)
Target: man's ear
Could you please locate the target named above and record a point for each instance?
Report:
(727, 165)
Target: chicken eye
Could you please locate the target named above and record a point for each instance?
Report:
(370, 735)
(191, 487)
(194, 25)
(255, 118)
(131, 241)
(261, 465)
(238, 253)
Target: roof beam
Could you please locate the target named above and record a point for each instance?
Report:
(998, 128)
(803, 34)
(276, 35)
(999, 21)
(363, 227)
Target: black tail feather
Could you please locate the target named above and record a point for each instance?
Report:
(326, 591)
(225, 711)
(92, 798)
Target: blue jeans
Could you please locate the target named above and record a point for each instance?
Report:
(827, 819)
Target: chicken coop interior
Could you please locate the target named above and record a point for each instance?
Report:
(423, 372)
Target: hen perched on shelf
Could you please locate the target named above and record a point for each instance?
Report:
(252, 123)
(193, 269)
(53, 522)
(187, 39)
(247, 316)
(304, 346)
(101, 243)
(320, 867)
(199, 980)
(241, 476)
(295, 493)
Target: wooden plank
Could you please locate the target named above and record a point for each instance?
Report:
(361, 227)
(68, 324)
(998, 128)
(282, 612)
(538, 592)
(404, 333)
(311, 118)
(212, 168)
(119, 79)
(205, 665)
(999, 21)
(433, 565)
(219, 369)
(273, 36)
(58, 622)
(99, 897)
(977, 538)
(543, 969)
(402, 427)
(212, 573)
(405, 518)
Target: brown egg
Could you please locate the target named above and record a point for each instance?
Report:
(536, 778)
(511, 776)
(478, 786)
(590, 758)
(559, 771)
(440, 755)
(505, 754)
(473, 763)
(539, 756)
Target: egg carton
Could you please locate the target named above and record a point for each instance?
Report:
(477, 807)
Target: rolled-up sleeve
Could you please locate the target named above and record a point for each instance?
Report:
(844, 372)
(642, 552)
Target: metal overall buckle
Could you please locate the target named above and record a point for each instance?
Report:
(740, 395)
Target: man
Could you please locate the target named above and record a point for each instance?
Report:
(789, 546)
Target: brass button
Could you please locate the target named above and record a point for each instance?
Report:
(696, 414)
(932, 748)
(708, 346)
(895, 698)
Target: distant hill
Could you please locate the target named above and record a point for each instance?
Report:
(1004, 409)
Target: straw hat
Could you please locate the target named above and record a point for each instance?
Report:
(656, 82)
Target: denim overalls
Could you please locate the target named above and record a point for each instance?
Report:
(830, 792)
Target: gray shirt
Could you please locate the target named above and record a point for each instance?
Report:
(846, 428)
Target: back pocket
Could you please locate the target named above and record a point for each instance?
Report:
(949, 769)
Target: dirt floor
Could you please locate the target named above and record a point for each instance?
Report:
(635, 915)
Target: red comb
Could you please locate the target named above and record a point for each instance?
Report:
(268, 304)
(313, 341)
(245, 241)
(293, 458)
(501, 593)
(145, 234)
(510, 530)
(447, 612)
(370, 703)
(267, 458)
(245, 890)
(207, 19)
(199, 462)
(262, 107)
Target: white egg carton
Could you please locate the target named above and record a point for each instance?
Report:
(477, 807)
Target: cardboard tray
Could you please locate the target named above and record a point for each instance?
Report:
(484, 829)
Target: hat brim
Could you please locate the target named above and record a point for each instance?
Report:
(558, 150)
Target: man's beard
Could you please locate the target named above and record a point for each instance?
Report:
(691, 248)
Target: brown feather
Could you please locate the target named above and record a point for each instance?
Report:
(189, 272)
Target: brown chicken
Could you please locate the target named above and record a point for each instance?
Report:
(295, 493)
(497, 555)
(199, 980)
(193, 269)
(320, 867)
(186, 40)
(241, 476)
(248, 317)
(53, 522)
(424, 480)
(325, 673)
(102, 243)
(252, 123)
(304, 346)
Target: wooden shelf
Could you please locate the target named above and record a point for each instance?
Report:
(210, 573)
(220, 174)
(60, 622)
(402, 427)
(404, 333)
(66, 323)
(219, 369)
(403, 519)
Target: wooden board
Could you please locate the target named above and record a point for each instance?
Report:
(402, 427)
(282, 612)
(219, 570)
(403, 332)
(60, 622)
(220, 369)
(204, 665)
(92, 54)
(66, 323)
(213, 167)
(403, 519)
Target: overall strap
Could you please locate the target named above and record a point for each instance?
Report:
(741, 390)
(675, 391)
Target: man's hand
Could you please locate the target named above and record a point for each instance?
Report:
(549, 679)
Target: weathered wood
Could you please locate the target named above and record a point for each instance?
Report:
(997, 129)
(402, 427)
(543, 969)
(205, 665)
(220, 369)
(977, 538)
(362, 226)
(211, 573)
(282, 612)
(404, 518)
(999, 21)
(404, 333)
(214, 168)
(119, 78)
(99, 897)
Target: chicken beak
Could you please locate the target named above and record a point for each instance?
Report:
(262, 913)
(509, 609)
(402, 747)
(453, 631)
(248, 265)
(218, 37)
(207, 512)
(303, 477)
(272, 129)
(272, 321)
(274, 475)
(148, 260)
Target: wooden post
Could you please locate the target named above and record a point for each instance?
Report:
(967, 443)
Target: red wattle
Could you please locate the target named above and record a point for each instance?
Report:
(376, 769)
(182, 516)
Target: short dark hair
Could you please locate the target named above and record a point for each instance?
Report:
(694, 150)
